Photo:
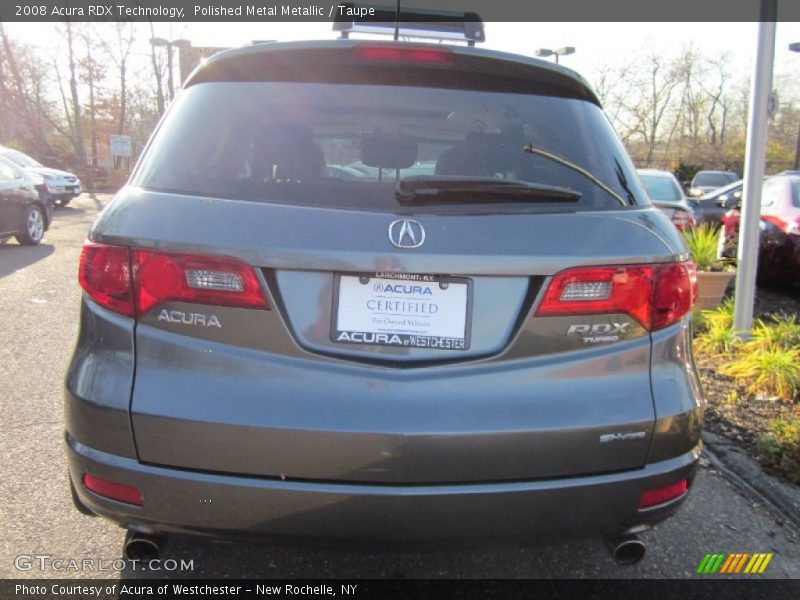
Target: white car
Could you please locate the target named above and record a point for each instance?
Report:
(58, 187)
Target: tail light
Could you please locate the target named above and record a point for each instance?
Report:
(789, 227)
(105, 275)
(663, 494)
(220, 281)
(682, 219)
(402, 54)
(133, 282)
(655, 295)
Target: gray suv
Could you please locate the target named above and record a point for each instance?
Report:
(482, 332)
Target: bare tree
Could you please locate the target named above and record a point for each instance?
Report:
(22, 100)
(78, 140)
(688, 69)
(158, 72)
(719, 101)
(119, 51)
(614, 88)
(92, 74)
(657, 81)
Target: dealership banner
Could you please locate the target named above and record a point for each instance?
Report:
(327, 10)
(369, 589)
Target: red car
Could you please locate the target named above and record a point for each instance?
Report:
(779, 246)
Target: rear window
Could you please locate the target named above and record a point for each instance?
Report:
(316, 144)
(709, 179)
(661, 189)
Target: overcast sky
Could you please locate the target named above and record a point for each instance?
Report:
(596, 43)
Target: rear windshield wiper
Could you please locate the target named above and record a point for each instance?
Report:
(531, 149)
(442, 189)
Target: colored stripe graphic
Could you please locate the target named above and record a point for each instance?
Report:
(753, 564)
(764, 564)
(726, 567)
(731, 563)
(703, 563)
(717, 562)
(738, 562)
(714, 561)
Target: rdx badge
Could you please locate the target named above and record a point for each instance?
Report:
(180, 317)
(599, 332)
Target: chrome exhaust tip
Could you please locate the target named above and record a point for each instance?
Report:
(626, 549)
(143, 547)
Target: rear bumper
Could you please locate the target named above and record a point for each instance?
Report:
(232, 506)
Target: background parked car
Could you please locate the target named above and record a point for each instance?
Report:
(779, 244)
(666, 193)
(706, 181)
(23, 213)
(711, 207)
(58, 188)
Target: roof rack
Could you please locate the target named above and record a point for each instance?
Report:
(442, 25)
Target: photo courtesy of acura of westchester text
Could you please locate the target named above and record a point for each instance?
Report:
(397, 291)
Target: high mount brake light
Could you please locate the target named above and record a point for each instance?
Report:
(403, 21)
(402, 54)
(655, 295)
(133, 282)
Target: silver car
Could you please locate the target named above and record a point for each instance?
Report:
(499, 347)
(665, 192)
(57, 187)
(707, 181)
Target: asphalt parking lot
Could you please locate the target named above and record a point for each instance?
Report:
(39, 298)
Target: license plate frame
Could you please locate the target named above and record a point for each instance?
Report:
(396, 339)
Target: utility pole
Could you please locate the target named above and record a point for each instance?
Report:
(796, 48)
(755, 154)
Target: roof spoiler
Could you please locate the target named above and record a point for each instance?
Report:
(441, 25)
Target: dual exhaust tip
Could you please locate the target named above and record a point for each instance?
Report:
(625, 550)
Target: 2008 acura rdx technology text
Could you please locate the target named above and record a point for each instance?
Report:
(482, 332)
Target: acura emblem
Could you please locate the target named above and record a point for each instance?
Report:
(406, 233)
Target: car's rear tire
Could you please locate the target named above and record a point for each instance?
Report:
(34, 227)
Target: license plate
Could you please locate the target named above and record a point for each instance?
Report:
(401, 309)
